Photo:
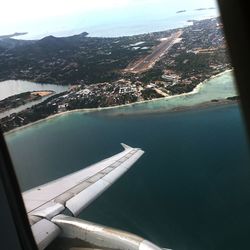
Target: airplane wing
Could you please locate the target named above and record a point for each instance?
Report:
(72, 193)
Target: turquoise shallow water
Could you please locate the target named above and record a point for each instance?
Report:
(190, 190)
(219, 87)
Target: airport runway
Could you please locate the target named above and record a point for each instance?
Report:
(148, 62)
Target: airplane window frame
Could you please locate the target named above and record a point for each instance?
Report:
(237, 35)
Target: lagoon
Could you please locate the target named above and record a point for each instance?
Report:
(14, 87)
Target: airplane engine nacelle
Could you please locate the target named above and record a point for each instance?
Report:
(97, 236)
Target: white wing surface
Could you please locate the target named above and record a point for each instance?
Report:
(73, 193)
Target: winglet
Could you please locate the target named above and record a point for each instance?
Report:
(125, 146)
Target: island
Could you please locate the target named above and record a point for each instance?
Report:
(200, 9)
(180, 11)
(106, 72)
(13, 35)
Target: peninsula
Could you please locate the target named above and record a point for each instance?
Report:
(22, 99)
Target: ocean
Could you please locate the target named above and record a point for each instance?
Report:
(103, 19)
(191, 188)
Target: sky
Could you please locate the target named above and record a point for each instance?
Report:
(45, 15)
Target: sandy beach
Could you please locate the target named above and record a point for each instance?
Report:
(43, 93)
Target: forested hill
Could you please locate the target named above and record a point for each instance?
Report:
(68, 60)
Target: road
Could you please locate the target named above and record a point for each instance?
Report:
(148, 61)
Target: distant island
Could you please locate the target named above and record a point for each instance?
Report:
(199, 9)
(13, 35)
(106, 72)
(180, 11)
(210, 8)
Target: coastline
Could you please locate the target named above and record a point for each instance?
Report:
(181, 108)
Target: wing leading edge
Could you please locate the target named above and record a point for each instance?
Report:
(73, 192)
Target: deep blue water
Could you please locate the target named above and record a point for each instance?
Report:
(190, 190)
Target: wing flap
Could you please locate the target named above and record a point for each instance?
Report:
(101, 182)
(84, 198)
